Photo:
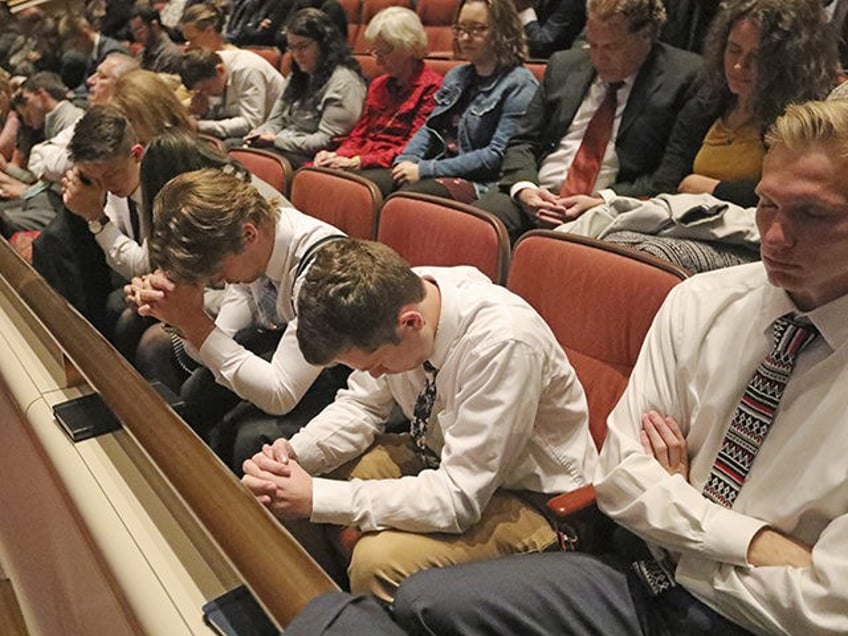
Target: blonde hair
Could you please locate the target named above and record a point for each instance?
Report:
(147, 101)
(198, 220)
(803, 125)
(401, 29)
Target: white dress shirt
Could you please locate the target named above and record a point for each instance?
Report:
(705, 344)
(276, 386)
(555, 166)
(509, 412)
(126, 253)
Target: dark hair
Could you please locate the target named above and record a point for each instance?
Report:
(638, 13)
(350, 298)
(198, 65)
(175, 152)
(335, 51)
(48, 82)
(103, 133)
(507, 35)
(147, 13)
(797, 54)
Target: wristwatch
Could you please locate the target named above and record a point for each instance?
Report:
(96, 226)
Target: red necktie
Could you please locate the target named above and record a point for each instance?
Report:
(587, 162)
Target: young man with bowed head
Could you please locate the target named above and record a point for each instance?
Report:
(211, 227)
(497, 416)
(725, 455)
(600, 118)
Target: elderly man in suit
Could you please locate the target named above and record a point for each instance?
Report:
(600, 118)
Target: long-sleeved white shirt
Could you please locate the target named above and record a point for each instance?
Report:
(509, 413)
(276, 386)
(706, 341)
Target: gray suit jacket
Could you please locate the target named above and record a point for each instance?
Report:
(663, 86)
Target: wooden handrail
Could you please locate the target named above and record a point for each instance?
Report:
(282, 576)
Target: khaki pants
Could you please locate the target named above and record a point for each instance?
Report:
(381, 560)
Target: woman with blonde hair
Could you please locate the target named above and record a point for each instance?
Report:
(9, 122)
(202, 26)
(150, 104)
(398, 102)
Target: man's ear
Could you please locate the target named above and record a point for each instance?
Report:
(410, 318)
(137, 151)
(249, 233)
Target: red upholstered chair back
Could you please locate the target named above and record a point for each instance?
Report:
(599, 299)
(370, 8)
(437, 17)
(347, 201)
(272, 168)
(428, 230)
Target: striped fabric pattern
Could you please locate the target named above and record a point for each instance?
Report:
(756, 410)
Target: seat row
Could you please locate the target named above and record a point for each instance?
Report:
(599, 298)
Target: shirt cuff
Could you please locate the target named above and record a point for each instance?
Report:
(607, 195)
(527, 16)
(332, 501)
(215, 350)
(518, 187)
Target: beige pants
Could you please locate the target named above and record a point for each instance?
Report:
(381, 560)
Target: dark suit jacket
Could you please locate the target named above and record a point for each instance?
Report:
(663, 86)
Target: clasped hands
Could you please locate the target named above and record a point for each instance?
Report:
(175, 303)
(549, 210)
(279, 482)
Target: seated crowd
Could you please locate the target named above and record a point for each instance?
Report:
(402, 420)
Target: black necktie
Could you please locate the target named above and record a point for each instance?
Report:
(421, 416)
(134, 220)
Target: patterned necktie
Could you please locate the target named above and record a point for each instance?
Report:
(748, 428)
(265, 296)
(421, 416)
(754, 415)
(584, 170)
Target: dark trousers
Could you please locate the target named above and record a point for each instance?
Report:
(551, 593)
(382, 177)
(502, 206)
(533, 595)
(236, 429)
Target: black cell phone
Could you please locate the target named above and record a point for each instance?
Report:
(236, 613)
(85, 417)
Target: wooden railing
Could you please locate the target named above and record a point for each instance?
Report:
(281, 575)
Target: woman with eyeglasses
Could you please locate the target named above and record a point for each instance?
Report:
(458, 153)
(324, 94)
(398, 102)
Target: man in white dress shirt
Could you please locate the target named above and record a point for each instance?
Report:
(496, 412)
(770, 561)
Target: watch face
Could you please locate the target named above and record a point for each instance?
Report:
(96, 226)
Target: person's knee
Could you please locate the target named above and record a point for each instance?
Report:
(378, 564)
(416, 607)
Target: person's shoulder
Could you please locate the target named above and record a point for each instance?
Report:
(521, 75)
(346, 74)
(568, 58)
(740, 279)
(676, 60)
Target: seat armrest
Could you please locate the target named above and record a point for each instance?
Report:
(569, 503)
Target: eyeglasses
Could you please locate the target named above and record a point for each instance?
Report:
(383, 53)
(297, 48)
(470, 30)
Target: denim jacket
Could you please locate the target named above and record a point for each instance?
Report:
(484, 130)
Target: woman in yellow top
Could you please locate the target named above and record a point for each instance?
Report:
(760, 56)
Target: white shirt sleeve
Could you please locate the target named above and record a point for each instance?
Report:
(276, 386)
(486, 429)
